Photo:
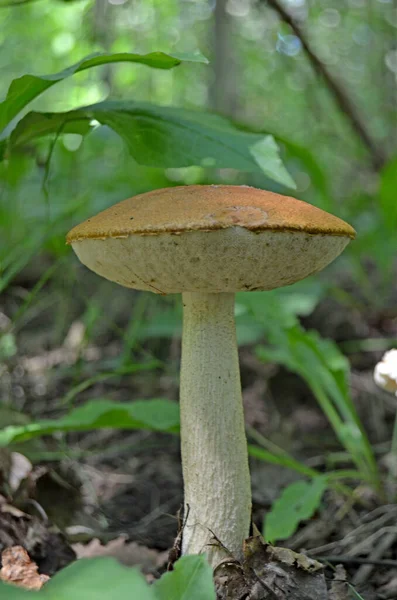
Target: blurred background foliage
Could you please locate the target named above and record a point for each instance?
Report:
(318, 75)
(260, 75)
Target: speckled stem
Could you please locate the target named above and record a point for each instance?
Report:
(214, 447)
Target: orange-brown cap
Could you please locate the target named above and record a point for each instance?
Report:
(210, 238)
(206, 208)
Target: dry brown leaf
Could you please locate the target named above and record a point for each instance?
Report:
(339, 588)
(270, 573)
(255, 545)
(19, 570)
(39, 538)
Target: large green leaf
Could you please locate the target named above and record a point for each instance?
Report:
(97, 579)
(297, 502)
(26, 88)
(94, 579)
(160, 415)
(106, 579)
(11, 592)
(159, 136)
(191, 579)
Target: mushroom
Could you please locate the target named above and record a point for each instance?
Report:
(207, 242)
(385, 372)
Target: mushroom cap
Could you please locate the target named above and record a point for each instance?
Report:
(209, 238)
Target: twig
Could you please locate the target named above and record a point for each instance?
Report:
(364, 572)
(176, 549)
(367, 544)
(365, 532)
(354, 560)
(341, 96)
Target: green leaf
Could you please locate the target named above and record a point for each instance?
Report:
(28, 87)
(321, 364)
(266, 154)
(158, 136)
(388, 194)
(11, 592)
(194, 56)
(106, 579)
(3, 149)
(97, 579)
(284, 460)
(297, 502)
(36, 125)
(191, 579)
(93, 579)
(160, 415)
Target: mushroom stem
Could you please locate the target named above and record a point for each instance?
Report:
(214, 446)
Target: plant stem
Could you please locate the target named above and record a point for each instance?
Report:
(214, 447)
(393, 471)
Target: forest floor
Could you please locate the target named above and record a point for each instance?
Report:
(118, 493)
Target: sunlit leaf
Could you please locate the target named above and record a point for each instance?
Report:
(195, 56)
(28, 87)
(266, 154)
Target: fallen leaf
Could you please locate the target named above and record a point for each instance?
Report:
(20, 468)
(38, 537)
(19, 570)
(270, 573)
(255, 545)
(339, 587)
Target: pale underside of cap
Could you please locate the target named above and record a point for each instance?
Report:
(209, 239)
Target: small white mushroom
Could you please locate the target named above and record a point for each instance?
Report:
(385, 373)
